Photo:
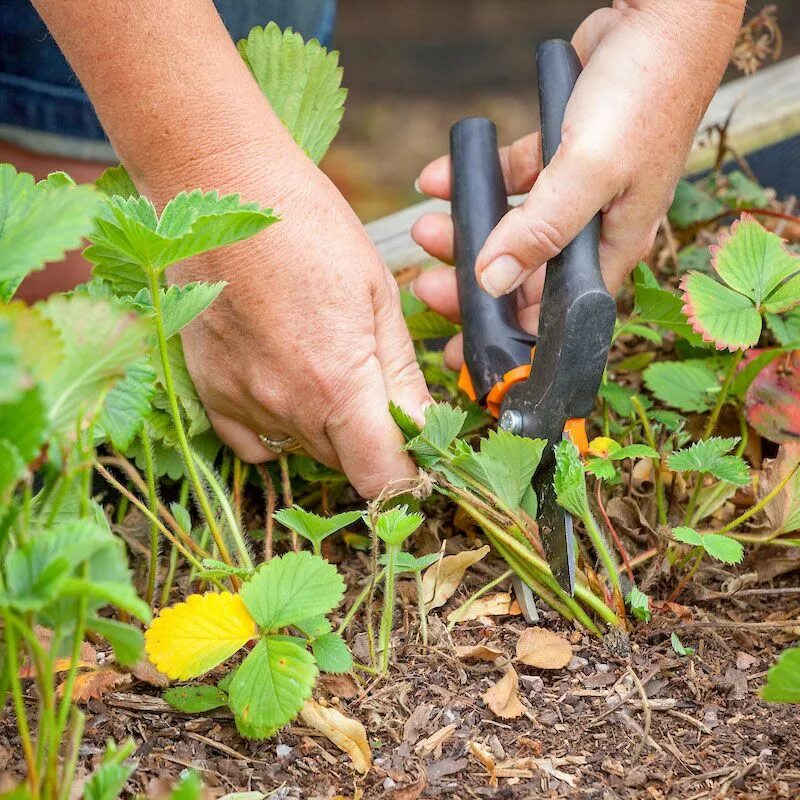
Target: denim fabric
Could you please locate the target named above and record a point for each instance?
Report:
(42, 104)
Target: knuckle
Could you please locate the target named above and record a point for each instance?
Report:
(544, 237)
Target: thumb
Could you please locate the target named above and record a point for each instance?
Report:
(573, 187)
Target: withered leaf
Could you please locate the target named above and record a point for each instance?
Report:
(502, 699)
(92, 685)
(345, 732)
(493, 605)
(783, 511)
(442, 579)
(543, 649)
(478, 652)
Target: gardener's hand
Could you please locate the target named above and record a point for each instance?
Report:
(308, 339)
(651, 68)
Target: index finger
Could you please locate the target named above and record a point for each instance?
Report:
(521, 162)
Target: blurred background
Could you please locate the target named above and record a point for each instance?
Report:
(413, 67)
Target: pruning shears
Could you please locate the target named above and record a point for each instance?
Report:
(547, 396)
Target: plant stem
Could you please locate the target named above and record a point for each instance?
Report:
(723, 395)
(170, 578)
(269, 509)
(385, 636)
(286, 486)
(77, 721)
(467, 604)
(611, 529)
(358, 602)
(658, 481)
(12, 667)
(188, 456)
(423, 611)
(222, 499)
(687, 577)
(687, 517)
(764, 501)
(598, 541)
(152, 497)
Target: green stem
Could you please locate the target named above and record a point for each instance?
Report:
(687, 577)
(222, 499)
(387, 618)
(357, 603)
(723, 395)
(188, 456)
(77, 721)
(766, 500)
(423, 611)
(12, 670)
(598, 541)
(467, 604)
(152, 500)
(687, 517)
(658, 482)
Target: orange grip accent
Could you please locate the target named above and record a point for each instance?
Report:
(465, 383)
(576, 428)
(498, 392)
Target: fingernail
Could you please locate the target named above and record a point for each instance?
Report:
(411, 290)
(502, 275)
(416, 187)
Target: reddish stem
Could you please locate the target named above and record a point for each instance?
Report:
(617, 542)
(764, 212)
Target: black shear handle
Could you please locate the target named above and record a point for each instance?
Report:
(494, 342)
(577, 316)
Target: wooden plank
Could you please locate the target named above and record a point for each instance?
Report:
(766, 110)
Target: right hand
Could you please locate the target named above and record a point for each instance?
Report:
(308, 339)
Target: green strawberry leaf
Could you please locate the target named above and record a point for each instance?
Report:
(181, 304)
(679, 647)
(443, 423)
(692, 204)
(602, 468)
(116, 181)
(23, 423)
(717, 545)
(196, 699)
(569, 481)
(292, 588)
(639, 604)
(710, 456)
(404, 421)
(332, 653)
(302, 82)
(40, 222)
(271, 685)
(395, 525)
(126, 640)
(128, 405)
(312, 526)
(686, 385)
(405, 562)
(783, 678)
(430, 325)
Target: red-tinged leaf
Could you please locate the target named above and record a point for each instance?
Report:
(772, 403)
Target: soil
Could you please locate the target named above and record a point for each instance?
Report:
(582, 734)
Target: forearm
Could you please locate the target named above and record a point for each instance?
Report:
(177, 102)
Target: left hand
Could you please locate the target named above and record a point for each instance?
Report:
(650, 70)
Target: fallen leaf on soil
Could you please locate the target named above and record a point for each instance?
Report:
(88, 655)
(346, 733)
(783, 512)
(427, 746)
(502, 699)
(144, 671)
(493, 605)
(339, 686)
(485, 757)
(442, 579)
(773, 399)
(744, 660)
(478, 652)
(543, 649)
(92, 685)
(772, 562)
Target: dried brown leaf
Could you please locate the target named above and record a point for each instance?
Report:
(543, 649)
(493, 605)
(502, 699)
(346, 733)
(92, 685)
(783, 512)
(442, 578)
(478, 652)
(144, 671)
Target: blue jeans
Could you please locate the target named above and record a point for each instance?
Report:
(42, 104)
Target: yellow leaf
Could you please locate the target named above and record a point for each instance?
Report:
(346, 733)
(493, 605)
(442, 579)
(502, 699)
(537, 647)
(189, 639)
(599, 446)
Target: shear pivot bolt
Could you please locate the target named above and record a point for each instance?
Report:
(510, 421)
